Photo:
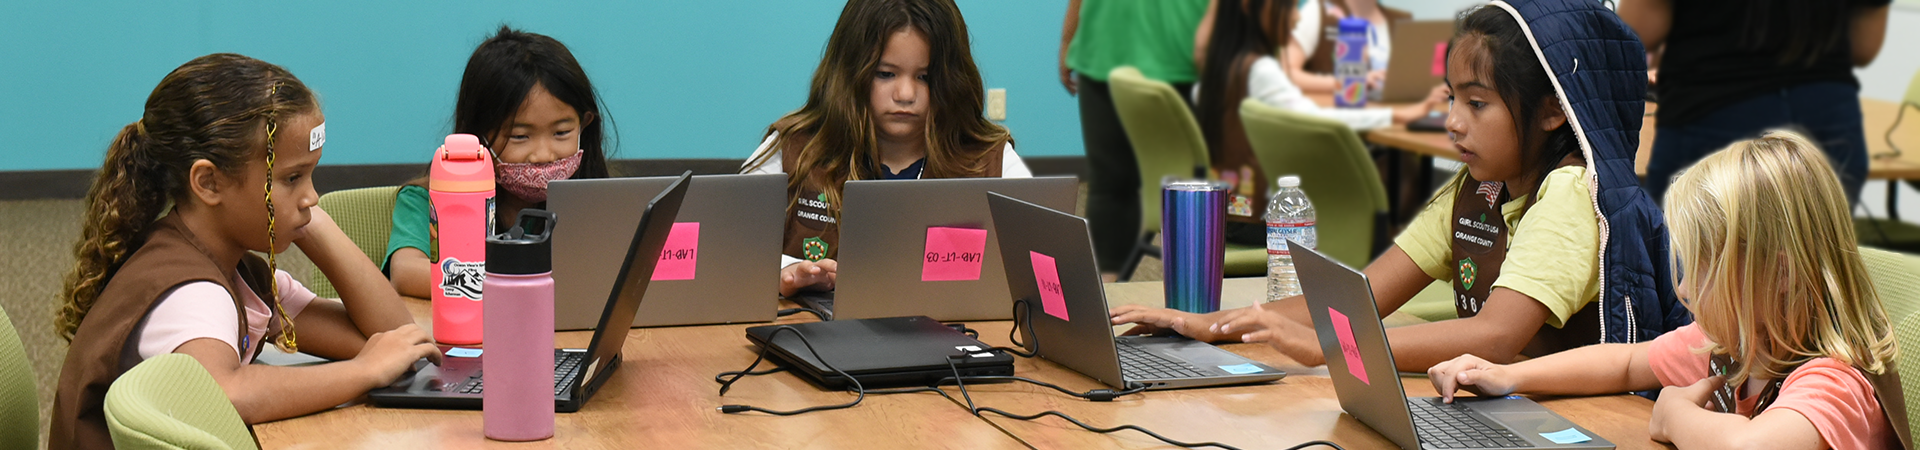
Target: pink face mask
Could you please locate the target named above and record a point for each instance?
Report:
(528, 181)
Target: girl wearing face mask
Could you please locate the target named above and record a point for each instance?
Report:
(896, 96)
(530, 103)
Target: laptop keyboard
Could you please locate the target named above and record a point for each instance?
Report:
(1451, 426)
(566, 367)
(1139, 364)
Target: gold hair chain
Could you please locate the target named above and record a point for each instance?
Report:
(286, 340)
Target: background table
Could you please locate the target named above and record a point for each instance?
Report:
(1876, 118)
(664, 395)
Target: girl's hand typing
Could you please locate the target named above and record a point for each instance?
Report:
(389, 354)
(1472, 374)
(1151, 320)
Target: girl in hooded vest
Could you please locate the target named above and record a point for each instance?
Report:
(220, 165)
(1547, 241)
(896, 96)
(530, 103)
(1792, 350)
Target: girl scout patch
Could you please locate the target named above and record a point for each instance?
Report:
(815, 248)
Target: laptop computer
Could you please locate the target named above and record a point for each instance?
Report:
(1419, 60)
(577, 373)
(893, 351)
(735, 220)
(1355, 342)
(1051, 248)
(887, 228)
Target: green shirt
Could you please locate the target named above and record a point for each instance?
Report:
(1155, 36)
(411, 228)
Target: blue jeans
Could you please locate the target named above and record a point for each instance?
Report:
(1827, 112)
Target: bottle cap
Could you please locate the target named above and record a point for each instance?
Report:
(526, 249)
(461, 165)
(1287, 181)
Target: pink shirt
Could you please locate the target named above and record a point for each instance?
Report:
(205, 310)
(1834, 396)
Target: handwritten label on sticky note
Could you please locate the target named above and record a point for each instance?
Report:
(1241, 369)
(1567, 436)
(1053, 300)
(461, 352)
(681, 254)
(1440, 59)
(954, 254)
(1343, 329)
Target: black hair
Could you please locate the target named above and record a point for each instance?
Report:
(1238, 37)
(508, 65)
(1516, 74)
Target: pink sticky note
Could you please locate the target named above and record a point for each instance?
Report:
(1047, 275)
(1440, 59)
(681, 254)
(1348, 348)
(953, 254)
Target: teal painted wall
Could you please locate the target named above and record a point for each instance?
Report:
(681, 79)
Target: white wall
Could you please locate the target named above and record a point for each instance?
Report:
(1886, 79)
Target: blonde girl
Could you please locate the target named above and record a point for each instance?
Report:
(1790, 336)
(218, 167)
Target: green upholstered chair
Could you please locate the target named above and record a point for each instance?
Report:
(366, 216)
(1896, 278)
(170, 402)
(19, 401)
(1349, 200)
(1166, 142)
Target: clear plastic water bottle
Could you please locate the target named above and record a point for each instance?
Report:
(1289, 217)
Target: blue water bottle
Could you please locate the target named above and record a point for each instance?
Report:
(1350, 63)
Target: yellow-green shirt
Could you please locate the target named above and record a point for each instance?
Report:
(1553, 253)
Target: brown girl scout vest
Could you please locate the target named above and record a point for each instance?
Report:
(107, 345)
(1886, 389)
(1480, 235)
(813, 221)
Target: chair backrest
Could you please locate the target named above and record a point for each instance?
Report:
(170, 402)
(1165, 137)
(366, 216)
(19, 404)
(1335, 170)
(1896, 278)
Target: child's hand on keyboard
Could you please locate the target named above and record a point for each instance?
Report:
(1472, 374)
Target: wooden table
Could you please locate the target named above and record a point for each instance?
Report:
(664, 395)
(1876, 118)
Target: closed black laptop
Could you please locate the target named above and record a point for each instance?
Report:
(892, 351)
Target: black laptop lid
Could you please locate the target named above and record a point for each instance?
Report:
(635, 271)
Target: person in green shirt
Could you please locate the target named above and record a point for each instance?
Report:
(1155, 36)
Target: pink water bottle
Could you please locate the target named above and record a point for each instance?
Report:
(518, 367)
(460, 185)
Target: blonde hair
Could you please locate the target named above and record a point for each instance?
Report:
(1764, 245)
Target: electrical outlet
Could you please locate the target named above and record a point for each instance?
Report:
(997, 104)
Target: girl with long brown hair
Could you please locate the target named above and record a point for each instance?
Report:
(218, 167)
(897, 96)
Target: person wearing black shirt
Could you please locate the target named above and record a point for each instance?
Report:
(1731, 69)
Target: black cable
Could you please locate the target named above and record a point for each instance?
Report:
(1097, 395)
(792, 311)
(859, 391)
(976, 410)
(739, 373)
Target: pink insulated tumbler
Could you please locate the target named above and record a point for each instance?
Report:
(460, 185)
(517, 404)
